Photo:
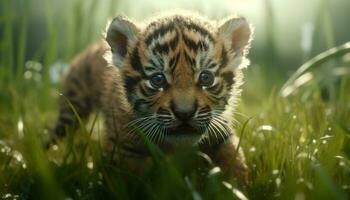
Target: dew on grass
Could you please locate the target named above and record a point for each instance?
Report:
(5, 149)
(302, 155)
(326, 137)
(309, 185)
(252, 149)
(195, 194)
(90, 165)
(17, 155)
(265, 128)
(300, 180)
(10, 196)
(278, 182)
(239, 194)
(214, 171)
(55, 147)
(33, 71)
(235, 191)
(346, 187)
(20, 128)
(275, 172)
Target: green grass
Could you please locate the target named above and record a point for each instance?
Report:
(297, 143)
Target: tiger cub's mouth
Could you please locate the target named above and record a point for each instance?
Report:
(183, 134)
(184, 129)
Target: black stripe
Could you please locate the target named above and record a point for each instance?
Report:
(153, 63)
(174, 60)
(88, 75)
(147, 92)
(199, 29)
(163, 111)
(161, 48)
(215, 98)
(151, 68)
(76, 82)
(194, 46)
(159, 32)
(228, 77)
(159, 59)
(130, 83)
(71, 93)
(216, 89)
(202, 45)
(224, 59)
(136, 61)
(190, 60)
(138, 103)
(190, 43)
(174, 42)
(211, 64)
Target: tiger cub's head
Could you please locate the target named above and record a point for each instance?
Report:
(180, 73)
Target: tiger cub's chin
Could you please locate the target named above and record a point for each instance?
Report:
(179, 69)
(182, 140)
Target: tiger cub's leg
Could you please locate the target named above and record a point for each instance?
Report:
(74, 102)
(81, 90)
(231, 161)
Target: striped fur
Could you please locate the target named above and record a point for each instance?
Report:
(174, 80)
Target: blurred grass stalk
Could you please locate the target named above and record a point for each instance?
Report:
(6, 56)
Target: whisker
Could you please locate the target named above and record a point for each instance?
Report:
(223, 127)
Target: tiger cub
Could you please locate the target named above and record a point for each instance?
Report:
(174, 80)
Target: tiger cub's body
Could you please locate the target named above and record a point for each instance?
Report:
(174, 80)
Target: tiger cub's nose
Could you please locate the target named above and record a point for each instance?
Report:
(184, 112)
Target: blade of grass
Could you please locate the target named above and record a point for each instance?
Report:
(288, 88)
(22, 37)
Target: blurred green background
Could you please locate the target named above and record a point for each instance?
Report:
(287, 32)
(294, 122)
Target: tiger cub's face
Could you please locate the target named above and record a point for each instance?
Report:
(179, 73)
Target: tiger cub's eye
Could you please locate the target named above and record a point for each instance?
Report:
(158, 80)
(206, 79)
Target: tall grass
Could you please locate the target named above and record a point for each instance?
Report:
(297, 145)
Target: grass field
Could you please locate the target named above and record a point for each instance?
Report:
(294, 127)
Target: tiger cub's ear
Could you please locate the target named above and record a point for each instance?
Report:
(237, 34)
(120, 34)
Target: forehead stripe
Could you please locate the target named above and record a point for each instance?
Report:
(174, 60)
(191, 61)
(174, 42)
(192, 45)
(199, 29)
(159, 32)
(165, 47)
